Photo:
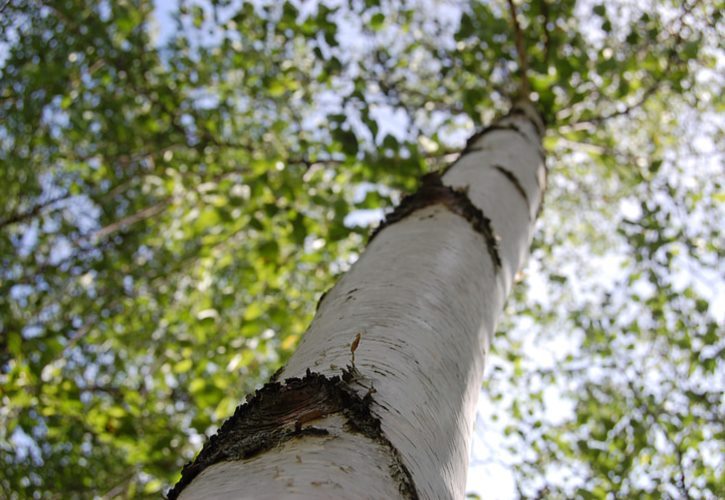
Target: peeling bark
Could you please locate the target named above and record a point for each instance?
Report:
(280, 412)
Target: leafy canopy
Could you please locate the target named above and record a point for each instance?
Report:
(181, 181)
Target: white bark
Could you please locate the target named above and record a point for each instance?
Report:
(302, 468)
(424, 297)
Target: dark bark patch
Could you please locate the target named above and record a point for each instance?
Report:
(348, 296)
(432, 192)
(516, 183)
(470, 148)
(322, 297)
(277, 413)
(539, 126)
(508, 126)
(275, 375)
(542, 190)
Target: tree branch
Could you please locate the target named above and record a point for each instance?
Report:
(547, 34)
(597, 120)
(678, 37)
(132, 219)
(21, 216)
(524, 88)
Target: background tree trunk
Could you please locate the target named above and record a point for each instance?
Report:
(379, 399)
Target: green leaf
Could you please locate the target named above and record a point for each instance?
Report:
(377, 21)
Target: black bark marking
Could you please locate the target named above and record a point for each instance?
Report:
(322, 297)
(516, 110)
(507, 127)
(349, 296)
(470, 148)
(431, 192)
(276, 374)
(515, 181)
(542, 190)
(277, 412)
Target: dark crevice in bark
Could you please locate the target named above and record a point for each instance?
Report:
(433, 192)
(349, 296)
(276, 374)
(517, 184)
(278, 412)
(506, 127)
(469, 147)
(540, 129)
(322, 297)
(539, 126)
(542, 190)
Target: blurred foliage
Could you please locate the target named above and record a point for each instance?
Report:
(183, 179)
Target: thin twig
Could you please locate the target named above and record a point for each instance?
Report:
(658, 83)
(625, 111)
(132, 219)
(32, 212)
(120, 487)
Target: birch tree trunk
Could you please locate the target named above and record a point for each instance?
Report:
(379, 399)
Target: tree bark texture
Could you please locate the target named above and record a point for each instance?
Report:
(379, 399)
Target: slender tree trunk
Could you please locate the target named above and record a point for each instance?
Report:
(379, 399)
